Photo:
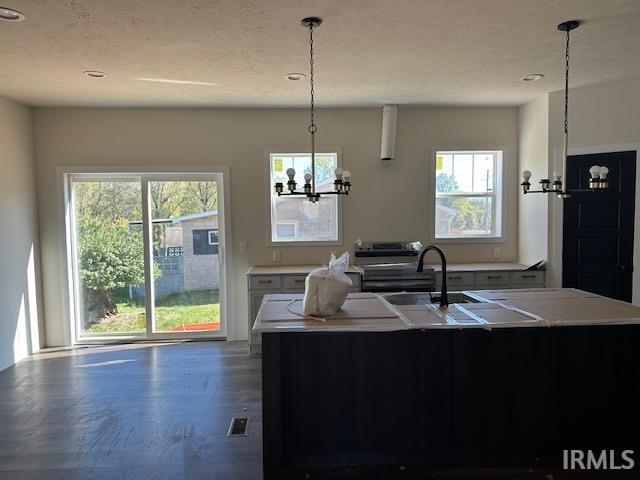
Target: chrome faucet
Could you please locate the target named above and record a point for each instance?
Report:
(443, 299)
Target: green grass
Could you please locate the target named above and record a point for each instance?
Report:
(172, 311)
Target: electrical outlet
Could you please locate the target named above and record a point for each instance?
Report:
(243, 246)
(276, 256)
(496, 253)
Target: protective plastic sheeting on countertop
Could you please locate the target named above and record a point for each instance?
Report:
(360, 312)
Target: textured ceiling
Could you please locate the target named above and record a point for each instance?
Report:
(369, 52)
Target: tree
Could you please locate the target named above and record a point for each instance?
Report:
(446, 183)
(471, 213)
(110, 256)
(324, 168)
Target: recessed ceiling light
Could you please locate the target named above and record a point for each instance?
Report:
(532, 77)
(11, 15)
(296, 76)
(94, 74)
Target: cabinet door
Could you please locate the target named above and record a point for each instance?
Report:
(256, 301)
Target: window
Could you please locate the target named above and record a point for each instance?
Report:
(286, 230)
(296, 219)
(202, 242)
(468, 194)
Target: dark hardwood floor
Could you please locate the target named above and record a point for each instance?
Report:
(144, 411)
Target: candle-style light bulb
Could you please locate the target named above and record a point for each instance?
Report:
(594, 171)
(346, 175)
(338, 173)
(557, 176)
(526, 176)
(291, 184)
(604, 171)
(307, 183)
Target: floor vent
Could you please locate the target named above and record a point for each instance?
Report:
(238, 427)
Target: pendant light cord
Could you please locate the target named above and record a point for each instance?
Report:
(566, 86)
(312, 126)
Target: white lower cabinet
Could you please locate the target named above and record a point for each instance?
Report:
(260, 285)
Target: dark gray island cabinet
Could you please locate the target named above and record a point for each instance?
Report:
(405, 403)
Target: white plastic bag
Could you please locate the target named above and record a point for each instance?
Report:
(326, 288)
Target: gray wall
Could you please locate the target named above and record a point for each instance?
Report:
(19, 264)
(388, 201)
(600, 117)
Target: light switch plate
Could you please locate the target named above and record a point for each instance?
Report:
(243, 246)
(496, 252)
(276, 256)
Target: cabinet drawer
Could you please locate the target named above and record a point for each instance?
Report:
(265, 282)
(492, 278)
(527, 278)
(456, 279)
(294, 282)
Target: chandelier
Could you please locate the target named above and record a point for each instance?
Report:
(342, 182)
(598, 175)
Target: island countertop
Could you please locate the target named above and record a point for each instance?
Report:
(493, 309)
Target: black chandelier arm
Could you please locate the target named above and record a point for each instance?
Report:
(559, 192)
(333, 192)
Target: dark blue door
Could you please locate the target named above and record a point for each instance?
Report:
(598, 227)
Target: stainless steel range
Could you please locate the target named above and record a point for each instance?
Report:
(392, 267)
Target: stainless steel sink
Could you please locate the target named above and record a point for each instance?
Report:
(407, 298)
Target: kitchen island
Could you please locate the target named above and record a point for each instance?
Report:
(504, 381)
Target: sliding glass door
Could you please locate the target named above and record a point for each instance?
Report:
(148, 255)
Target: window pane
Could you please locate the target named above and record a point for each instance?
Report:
(313, 222)
(483, 173)
(325, 165)
(463, 172)
(295, 218)
(186, 266)
(110, 257)
(463, 216)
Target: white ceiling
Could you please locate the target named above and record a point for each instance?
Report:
(368, 52)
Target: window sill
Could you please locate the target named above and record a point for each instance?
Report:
(465, 240)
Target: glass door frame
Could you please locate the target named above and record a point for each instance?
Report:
(71, 290)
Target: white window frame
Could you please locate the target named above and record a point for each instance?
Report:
(209, 237)
(499, 207)
(145, 174)
(269, 188)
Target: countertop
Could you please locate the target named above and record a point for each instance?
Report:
(453, 267)
(292, 270)
(495, 309)
(481, 267)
